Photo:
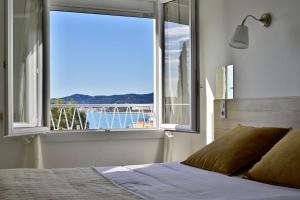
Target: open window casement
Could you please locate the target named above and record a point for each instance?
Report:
(27, 99)
(179, 64)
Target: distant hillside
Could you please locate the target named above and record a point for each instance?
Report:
(114, 99)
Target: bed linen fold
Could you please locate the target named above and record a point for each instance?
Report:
(181, 182)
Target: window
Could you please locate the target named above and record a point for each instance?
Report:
(101, 71)
(166, 88)
(24, 67)
(179, 65)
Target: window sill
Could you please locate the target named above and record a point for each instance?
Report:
(83, 136)
(178, 128)
(182, 131)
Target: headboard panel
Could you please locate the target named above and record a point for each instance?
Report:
(276, 112)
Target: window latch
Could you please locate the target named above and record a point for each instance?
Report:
(107, 131)
(4, 64)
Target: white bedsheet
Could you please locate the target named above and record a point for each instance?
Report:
(175, 181)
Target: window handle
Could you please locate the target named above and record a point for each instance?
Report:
(4, 64)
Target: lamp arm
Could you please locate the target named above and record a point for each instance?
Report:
(256, 19)
(266, 19)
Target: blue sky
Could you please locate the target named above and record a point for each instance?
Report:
(100, 54)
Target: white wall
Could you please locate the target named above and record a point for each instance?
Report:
(80, 149)
(269, 68)
(271, 65)
(214, 52)
(94, 149)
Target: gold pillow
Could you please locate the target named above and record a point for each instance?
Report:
(239, 148)
(281, 165)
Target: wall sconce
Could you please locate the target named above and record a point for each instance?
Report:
(240, 39)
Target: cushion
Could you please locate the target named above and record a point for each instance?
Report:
(281, 165)
(236, 149)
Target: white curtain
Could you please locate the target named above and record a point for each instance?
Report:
(27, 26)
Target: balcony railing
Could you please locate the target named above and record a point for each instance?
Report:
(101, 116)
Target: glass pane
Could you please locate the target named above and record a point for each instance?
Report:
(26, 52)
(177, 63)
(109, 84)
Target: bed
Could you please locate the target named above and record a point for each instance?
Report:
(59, 184)
(151, 181)
(175, 181)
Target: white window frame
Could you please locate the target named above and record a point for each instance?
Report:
(23, 129)
(158, 76)
(60, 5)
(195, 111)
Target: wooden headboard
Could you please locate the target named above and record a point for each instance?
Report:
(276, 112)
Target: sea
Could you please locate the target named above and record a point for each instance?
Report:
(98, 120)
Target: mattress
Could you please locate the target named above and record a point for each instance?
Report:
(177, 182)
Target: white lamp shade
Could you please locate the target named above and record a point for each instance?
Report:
(240, 39)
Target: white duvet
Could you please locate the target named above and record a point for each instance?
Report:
(175, 181)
